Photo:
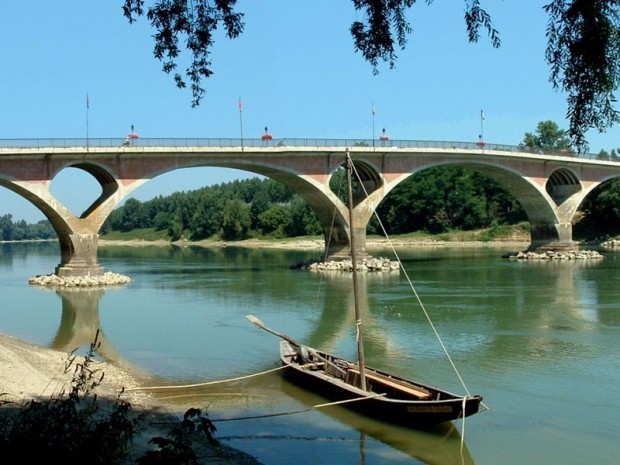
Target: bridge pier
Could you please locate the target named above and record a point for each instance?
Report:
(557, 238)
(338, 245)
(78, 255)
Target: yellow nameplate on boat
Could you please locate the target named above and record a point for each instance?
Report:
(429, 409)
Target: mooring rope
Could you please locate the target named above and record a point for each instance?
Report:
(294, 412)
(208, 383)
(463, 426)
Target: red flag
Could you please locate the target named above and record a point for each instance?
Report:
(240, 105)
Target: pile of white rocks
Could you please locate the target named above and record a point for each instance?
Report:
(558, 255)
(363, 264)
(105, 279)
(611, 243)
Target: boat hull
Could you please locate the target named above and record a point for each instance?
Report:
(381, 402)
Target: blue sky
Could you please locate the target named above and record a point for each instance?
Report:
(295, 69)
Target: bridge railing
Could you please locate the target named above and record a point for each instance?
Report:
(283, 142)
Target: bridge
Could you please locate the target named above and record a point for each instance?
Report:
(549, 186)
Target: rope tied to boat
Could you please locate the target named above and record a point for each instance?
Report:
(295, 412)
(208, 383)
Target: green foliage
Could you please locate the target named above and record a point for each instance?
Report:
(177, 447)
(146, 234)
(274, 221)
(583, 51)
(304, 221)
(197, 22)
(22, 231)
(583, 45)
(230, 211)
(548, 138)
(236, 220)
(601, 212)
(442, 199)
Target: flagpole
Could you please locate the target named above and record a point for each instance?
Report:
(241, 121)
(482, 125)
(87, 110)
(373, 124)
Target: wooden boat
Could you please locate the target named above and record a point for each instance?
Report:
(369, 391)
(387, 397)
(440, 444)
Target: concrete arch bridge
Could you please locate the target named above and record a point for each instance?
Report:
(550, 187)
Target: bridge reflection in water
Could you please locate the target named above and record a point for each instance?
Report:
(80, 322)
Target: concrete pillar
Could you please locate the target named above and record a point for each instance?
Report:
(79, 256)
(338, 245)
(558, 237)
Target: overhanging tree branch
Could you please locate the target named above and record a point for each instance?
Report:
(583, 48)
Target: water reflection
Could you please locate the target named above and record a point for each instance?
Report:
(516, 330)
(336, 323)
(79, 323)
(569, 290)
(13, 252)
(441, 445)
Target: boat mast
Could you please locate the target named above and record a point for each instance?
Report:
(358, 317)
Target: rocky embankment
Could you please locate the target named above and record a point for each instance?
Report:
(611, 243)
(105, 279)
(557, 255)
(364, 264)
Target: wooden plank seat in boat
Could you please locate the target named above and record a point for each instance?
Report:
(419, 392)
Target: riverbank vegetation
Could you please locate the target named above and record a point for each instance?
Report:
(442, 201)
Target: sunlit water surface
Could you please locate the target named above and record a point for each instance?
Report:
(539, 340)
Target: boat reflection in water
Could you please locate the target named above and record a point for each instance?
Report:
(440, 445)
(279, 422)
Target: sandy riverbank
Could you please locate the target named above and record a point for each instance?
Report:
(518, 243)
(29, 371)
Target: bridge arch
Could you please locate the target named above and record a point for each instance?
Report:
(562, 184)
(548, 226)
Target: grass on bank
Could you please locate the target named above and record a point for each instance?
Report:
(516, 232)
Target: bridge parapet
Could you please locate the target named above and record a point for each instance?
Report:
(119, 143)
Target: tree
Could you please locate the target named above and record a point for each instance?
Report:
(275, 221)
(583, 50)
(548, 138)
(133, 216)
(236, 220)
(583, 47)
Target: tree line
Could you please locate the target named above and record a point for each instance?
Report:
(435, 201)
(23, 231)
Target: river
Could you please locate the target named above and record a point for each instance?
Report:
(539, 340)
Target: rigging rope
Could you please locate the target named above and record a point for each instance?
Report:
(419, 300)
